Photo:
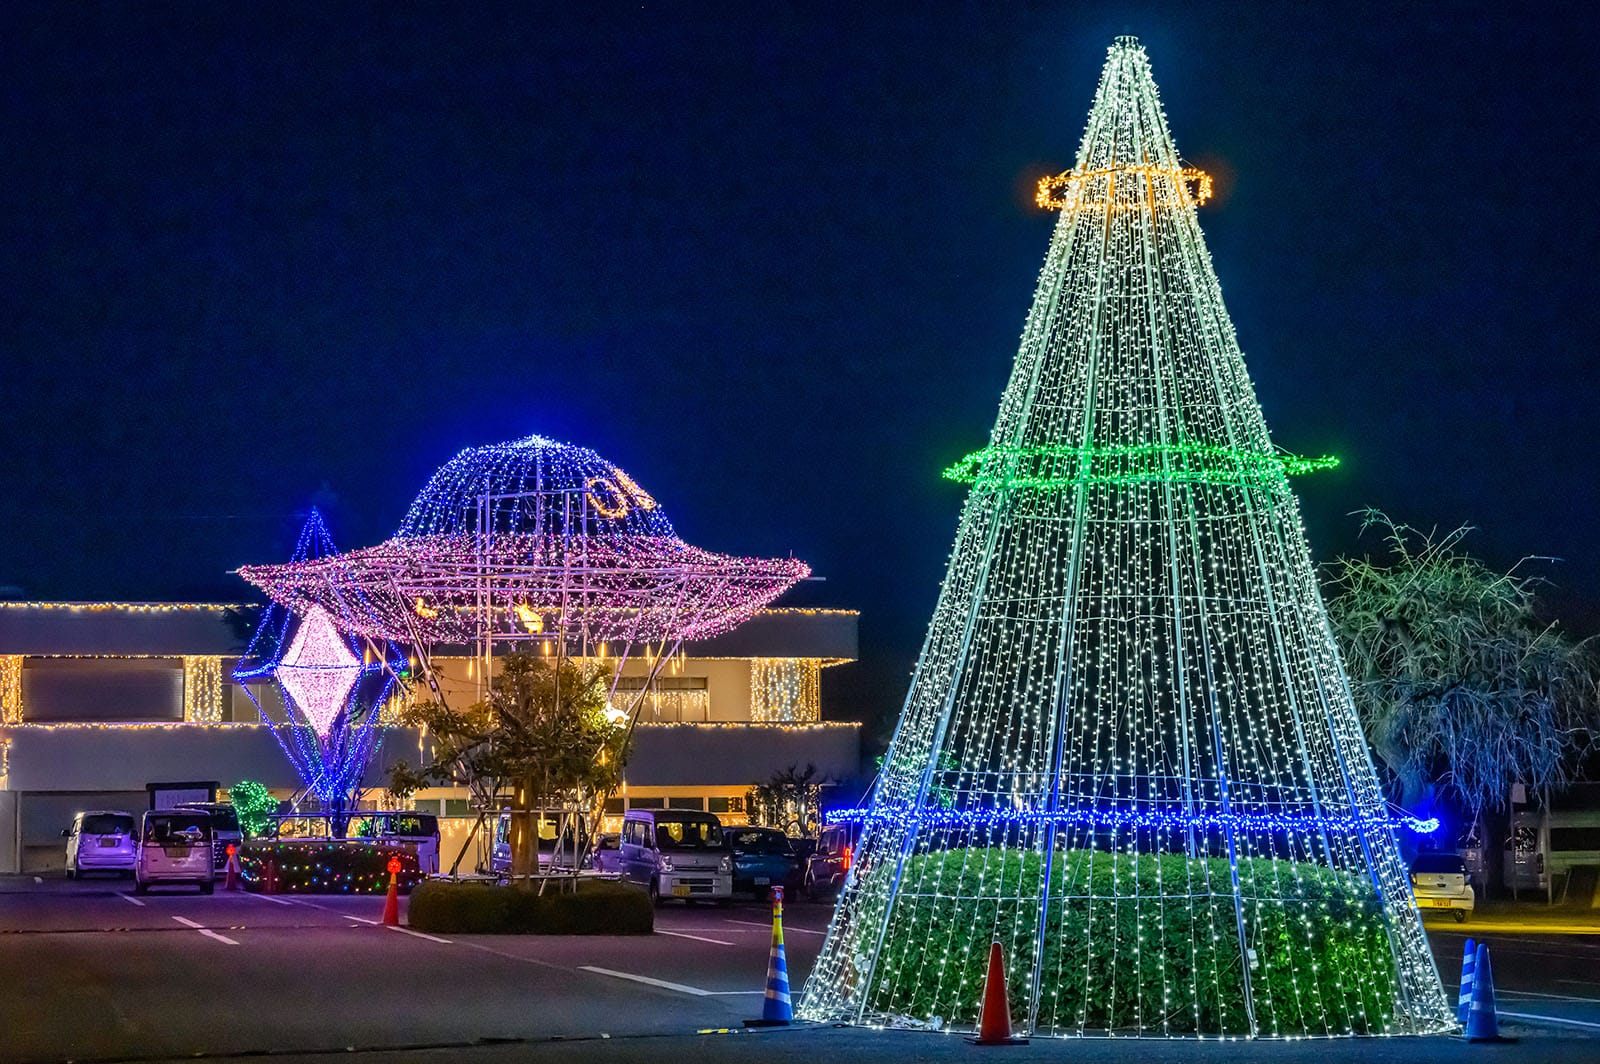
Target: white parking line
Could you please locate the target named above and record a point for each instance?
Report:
(697, 938)
(681, 988)
(130, 897)
(787, 928)
(269, 897)
(419, 934)
(1550, 1019)
(204, 930)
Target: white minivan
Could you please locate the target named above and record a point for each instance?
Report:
(175, 847)
(676, 853)
(101, 840)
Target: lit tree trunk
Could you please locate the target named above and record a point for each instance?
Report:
(524, 830)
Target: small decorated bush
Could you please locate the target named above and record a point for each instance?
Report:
(324, 866)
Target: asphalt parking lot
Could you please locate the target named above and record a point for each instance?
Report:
(92, 973)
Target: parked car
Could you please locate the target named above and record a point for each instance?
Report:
(762, 859)
(1441, 881)
(607, 854)
(101, 840)
(675, 853)
(827, 867)
(555, 848)
(175, 847)
(417, 830)
(224, 828)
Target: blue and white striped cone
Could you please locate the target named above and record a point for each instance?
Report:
(776, 1011)
(1469, 966)
(1482, 1023)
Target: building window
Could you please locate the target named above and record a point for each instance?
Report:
(670, 698)
(687, 803)
(456, 807)
(615, 806)
(784, 690)
(725, 805)
(426, 805)
(646, 803)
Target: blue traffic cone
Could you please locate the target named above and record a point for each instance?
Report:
(1482, 1023)
(775, 1008)
(1469, 965)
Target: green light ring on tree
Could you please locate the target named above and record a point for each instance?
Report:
(1061, 467)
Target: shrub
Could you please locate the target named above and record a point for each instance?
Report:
(325, 866)
(599, 907)
(1146, 942)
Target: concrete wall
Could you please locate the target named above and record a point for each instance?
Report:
(685, 755)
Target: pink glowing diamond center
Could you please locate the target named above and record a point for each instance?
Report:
(319, 670)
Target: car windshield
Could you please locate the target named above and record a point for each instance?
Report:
(759, 842)
(107, 824)
(223, 817)
(176, 829)
(1440, 864)
(687, 834)
(414, 826)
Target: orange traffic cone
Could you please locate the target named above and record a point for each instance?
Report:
(391, 904)
(232, 880)
(994, 1022)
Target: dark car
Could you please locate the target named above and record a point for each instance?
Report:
(762, 859)
(827, 867)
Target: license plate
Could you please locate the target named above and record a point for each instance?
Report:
(680, 890)
(1434, 903)
(175, 851)
(762, 881)
(108, 842)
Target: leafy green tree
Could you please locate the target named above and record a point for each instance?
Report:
(545, 732)
(1461, 688)
(253, 804)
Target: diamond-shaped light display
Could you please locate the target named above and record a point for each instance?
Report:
(319, 670)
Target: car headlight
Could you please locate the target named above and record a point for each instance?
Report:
(663, 863)
(725, 866)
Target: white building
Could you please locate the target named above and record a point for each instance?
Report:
(104, 704)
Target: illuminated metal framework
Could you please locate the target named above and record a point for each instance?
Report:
(1129, 753)
(539, 543)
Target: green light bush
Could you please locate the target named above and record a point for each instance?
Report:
(1145, 942)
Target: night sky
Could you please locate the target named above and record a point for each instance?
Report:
(770, 259)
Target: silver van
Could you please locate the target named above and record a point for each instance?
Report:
(100, 840)
(175, 847)
(676, 853)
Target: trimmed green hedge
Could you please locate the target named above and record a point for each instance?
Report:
(1139, 943)
(600, 907)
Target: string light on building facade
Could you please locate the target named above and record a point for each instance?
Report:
(786, 689)
(10, 689)
(202, 688)
(1129, 753)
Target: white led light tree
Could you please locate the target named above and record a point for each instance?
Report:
(1129, 752)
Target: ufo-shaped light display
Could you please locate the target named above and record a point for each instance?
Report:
(532, 540)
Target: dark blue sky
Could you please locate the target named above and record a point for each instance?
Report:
(773, 260)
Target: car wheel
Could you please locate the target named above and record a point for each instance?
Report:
(72, 874)
(207, 887)
(140, 888)
(655, 894)
(1460, 915)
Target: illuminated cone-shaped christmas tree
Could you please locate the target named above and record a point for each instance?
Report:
(1129, 753)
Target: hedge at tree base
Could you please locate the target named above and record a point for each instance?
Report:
(324, 866)
(1166, 962)
(599, 907)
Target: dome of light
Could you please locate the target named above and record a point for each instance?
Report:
(534, 486)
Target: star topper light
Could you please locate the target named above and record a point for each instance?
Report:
(319, 670)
